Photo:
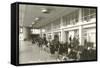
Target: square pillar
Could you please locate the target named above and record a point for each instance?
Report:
(80, 28)
(63, 36)
(63, 33)
(80, 15)
(81, 35)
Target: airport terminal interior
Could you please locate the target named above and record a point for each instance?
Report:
(56, 33)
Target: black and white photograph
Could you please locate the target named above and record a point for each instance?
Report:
(56, 33)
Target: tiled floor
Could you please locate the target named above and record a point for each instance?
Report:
(31, 53)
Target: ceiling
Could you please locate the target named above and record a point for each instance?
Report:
(27, 13)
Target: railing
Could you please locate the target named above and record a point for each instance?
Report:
(85, 18)
(88, 17)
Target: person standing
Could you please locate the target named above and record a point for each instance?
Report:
(54, 46)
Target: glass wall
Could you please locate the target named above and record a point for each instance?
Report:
(71, 18)
(88, 13)
(89, 35)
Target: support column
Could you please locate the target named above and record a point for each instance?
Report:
(52, 36)
(80, 15)
(63, 34)
(80, 28)
(81, 35)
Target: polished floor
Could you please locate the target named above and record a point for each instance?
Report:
(31, 53)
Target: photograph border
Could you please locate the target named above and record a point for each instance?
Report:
(15, 32)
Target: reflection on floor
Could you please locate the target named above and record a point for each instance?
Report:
(31, 53)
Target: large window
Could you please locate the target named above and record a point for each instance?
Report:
(88, 13)
(71, 18)
(92, 13)
(90, 35)
(66, 20)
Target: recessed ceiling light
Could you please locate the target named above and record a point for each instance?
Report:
(44, 10)
(37, 18)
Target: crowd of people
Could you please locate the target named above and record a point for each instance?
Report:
(68, 51)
